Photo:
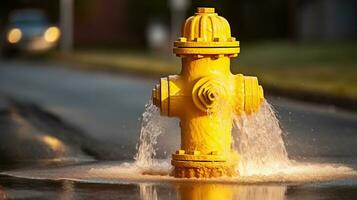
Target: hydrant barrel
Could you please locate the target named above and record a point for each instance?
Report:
(206, 96)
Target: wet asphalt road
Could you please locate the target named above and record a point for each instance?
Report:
(107, 108)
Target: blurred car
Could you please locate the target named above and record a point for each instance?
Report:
(28, 30)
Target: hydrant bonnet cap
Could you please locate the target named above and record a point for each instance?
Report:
(206, 29)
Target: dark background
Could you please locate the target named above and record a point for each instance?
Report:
(122, 23)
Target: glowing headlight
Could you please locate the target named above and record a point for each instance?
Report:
(14, 35)
(52, 34)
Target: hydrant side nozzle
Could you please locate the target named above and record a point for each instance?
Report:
(160, 96)
(253, 94)
(169, 95)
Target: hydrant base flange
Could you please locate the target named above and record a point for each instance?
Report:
(197, 169)
(204, 166)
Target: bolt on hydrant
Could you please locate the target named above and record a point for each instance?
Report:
(205, 96)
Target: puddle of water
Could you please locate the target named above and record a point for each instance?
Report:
(119, 173)
(33, 189)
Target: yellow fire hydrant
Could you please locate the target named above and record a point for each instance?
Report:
(205, 96)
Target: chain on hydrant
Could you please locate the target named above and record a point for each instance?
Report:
(205, 96)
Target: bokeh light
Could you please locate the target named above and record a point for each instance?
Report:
(52, 34)
(14, 35)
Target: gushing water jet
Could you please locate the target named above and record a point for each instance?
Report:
(205, 96)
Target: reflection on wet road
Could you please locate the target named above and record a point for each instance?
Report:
(66, 190)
